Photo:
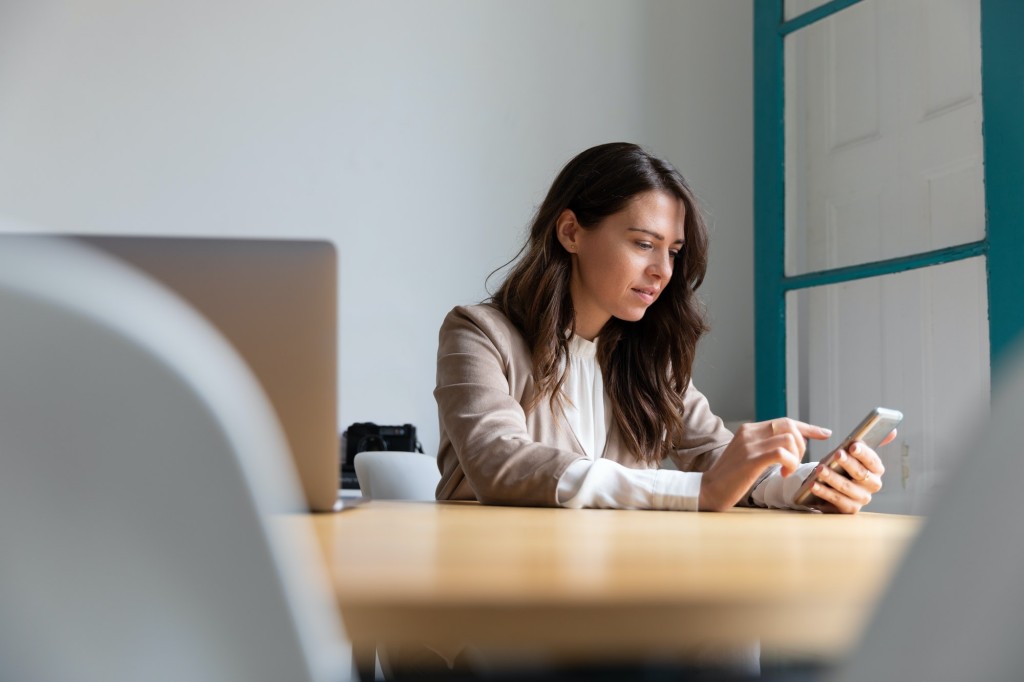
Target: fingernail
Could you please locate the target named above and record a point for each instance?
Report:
(827, 432)
(855, 448)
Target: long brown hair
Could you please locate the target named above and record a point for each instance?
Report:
(646, 364)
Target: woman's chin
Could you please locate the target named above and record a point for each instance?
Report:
(632, 315)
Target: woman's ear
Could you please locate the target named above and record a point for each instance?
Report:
(567, 230)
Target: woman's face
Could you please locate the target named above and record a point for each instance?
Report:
(621, 266)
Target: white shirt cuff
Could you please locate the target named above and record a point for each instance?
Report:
(777, 492)
(605, 484)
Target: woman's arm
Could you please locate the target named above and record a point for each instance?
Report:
(605, 484)
(704, 434)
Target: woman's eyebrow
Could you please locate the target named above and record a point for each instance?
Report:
(654, 234)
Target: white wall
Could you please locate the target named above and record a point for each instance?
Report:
(418, 136)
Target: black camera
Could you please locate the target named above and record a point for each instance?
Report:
(364, 436)
(368, 436)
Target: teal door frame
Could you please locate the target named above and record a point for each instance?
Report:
(1002, 78)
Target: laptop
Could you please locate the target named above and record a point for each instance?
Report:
(275, 301)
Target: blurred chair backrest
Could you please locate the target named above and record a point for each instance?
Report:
(142, 471)
(393, 475)
(955, 608)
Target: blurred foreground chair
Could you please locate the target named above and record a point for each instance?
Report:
(141, 470)
(955, 608)
(390, 475)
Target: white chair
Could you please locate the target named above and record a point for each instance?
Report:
(140, 466)
(392, 475)
(395, 475)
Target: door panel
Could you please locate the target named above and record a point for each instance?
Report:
(884, 159)
(883, 126)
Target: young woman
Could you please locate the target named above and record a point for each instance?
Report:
(571, 385)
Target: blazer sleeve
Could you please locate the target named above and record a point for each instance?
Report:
(481, 371)
(705, 436)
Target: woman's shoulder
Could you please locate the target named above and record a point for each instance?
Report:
(486, 316)
(482, 320)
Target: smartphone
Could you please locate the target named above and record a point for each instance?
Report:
(871, 431)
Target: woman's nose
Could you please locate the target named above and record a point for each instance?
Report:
(661, 266)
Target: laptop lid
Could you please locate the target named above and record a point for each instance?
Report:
(275, 301)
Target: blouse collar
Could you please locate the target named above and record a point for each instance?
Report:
(580, 348)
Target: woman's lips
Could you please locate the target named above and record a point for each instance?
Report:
(648, 295)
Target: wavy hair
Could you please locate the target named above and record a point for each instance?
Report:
(646, 364)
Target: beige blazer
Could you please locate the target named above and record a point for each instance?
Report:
(491, 450)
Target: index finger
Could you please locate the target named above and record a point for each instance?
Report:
(798, 431)
(803, 428)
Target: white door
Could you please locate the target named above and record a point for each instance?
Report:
(884, 159)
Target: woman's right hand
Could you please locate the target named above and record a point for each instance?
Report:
(754, 448)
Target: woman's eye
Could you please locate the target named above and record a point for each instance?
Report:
(673, 254)
(646, 246)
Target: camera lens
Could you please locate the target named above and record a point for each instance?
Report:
(371, 442)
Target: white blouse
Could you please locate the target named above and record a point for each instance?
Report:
(602, 483)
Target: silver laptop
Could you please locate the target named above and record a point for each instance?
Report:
(276, 302)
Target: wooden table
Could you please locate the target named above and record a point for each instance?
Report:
(596, 585)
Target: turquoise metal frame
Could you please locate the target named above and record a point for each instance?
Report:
(1002, 93)
(1002, 24)
(769, 211)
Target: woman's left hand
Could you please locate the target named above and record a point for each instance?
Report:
(841, 495)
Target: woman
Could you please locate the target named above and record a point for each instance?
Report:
(571, 385)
